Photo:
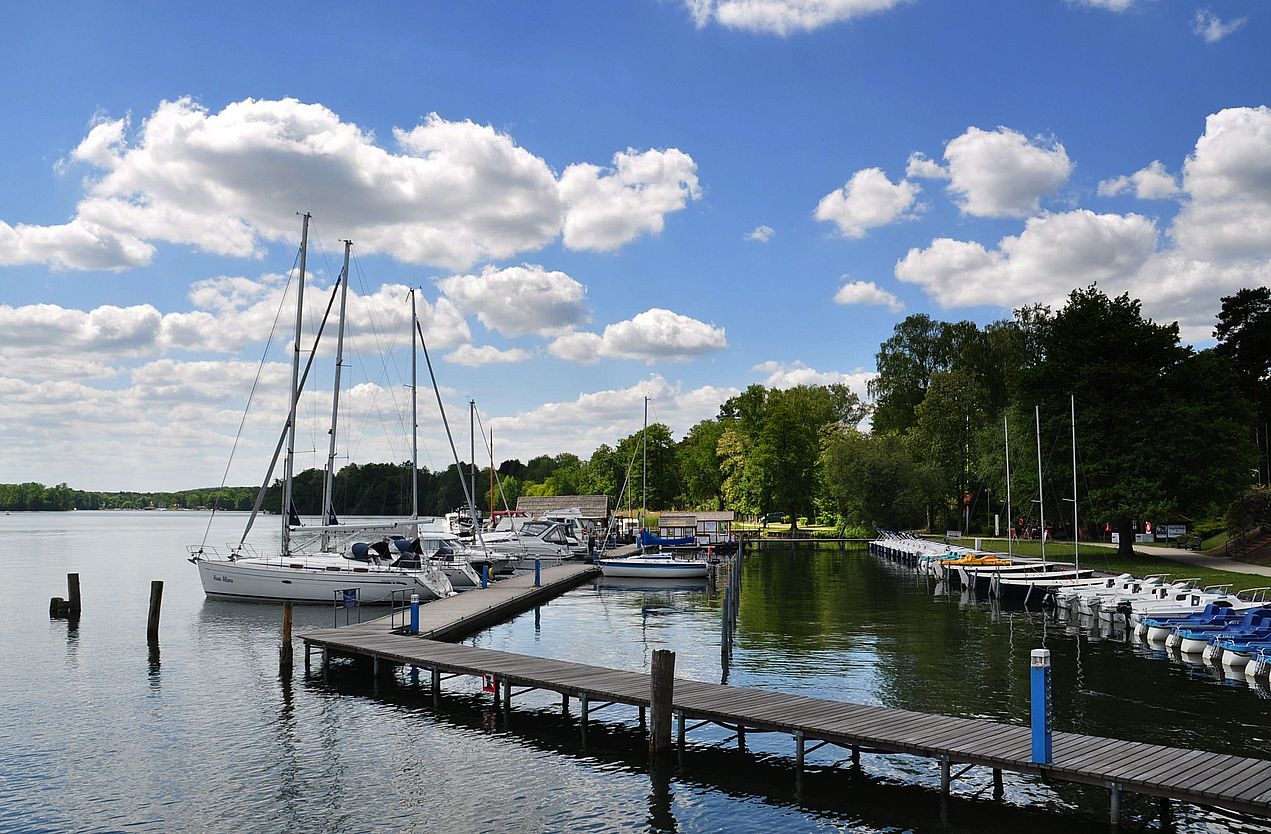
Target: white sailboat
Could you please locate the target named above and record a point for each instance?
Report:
(321, 563)
(652, 565)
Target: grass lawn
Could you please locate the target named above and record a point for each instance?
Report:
(1141, 563)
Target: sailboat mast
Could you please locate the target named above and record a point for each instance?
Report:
(1010, 519)
(472, 456)
(289, 464)
(414, 417)
(644, 488)
(1076, 550)
(328, 483)
(492, 472)
(1041, 500)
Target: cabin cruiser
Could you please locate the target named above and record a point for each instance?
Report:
(542, 540)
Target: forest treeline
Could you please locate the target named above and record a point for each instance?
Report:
(1164, 432)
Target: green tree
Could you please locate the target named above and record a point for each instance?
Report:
(698, 458)
(876, 480)
(1160, 429)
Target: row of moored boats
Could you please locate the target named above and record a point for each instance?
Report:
(1212, 624)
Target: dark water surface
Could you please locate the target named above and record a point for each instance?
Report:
(98, 735)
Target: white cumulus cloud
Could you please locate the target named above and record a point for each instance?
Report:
(782, 17)
(447, 193)
(1108, 5)
(792, 374)
(656, 335)
(606, 208)
(517, 300)
(998, 173)
(597, 417)
(1053, 254)
(867, 293)
(1150, 183)
(866, 201)
(472, 356)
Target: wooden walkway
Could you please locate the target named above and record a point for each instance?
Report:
(1232, 782)
(456, 617)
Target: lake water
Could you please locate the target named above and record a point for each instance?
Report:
(99, 735)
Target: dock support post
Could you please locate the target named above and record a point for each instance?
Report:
(156, 604)
(944, 775)
(1114, 810)
(856, 756)
(284, 653)
(72, 595)
(1041, 706)
(582, 718)
(436, 687)
(564, 703)
(507, 694)
(643, 722)
(998, 790)
(414, 613)
(798, 751)
(661, 692)
(681, 733)
(538, 573)
(326, 662)
(741, 737)
(1167, 822)
(308, 651)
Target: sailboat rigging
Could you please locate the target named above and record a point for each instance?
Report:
(319, 568)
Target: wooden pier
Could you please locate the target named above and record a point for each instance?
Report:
(456, 617)
(1232, 782)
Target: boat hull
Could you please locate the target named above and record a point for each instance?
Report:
(265, 582)
(650, 570)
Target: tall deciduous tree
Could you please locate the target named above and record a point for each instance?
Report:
(1160, 429)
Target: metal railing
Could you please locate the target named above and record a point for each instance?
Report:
(348, 599)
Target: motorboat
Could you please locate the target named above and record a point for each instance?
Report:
(654, 566)
(542, 540)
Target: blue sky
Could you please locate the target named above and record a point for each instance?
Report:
(956, 159)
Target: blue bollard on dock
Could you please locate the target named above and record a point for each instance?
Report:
(538, 573)
(485, 575)
(414, 613)
(1040, 670)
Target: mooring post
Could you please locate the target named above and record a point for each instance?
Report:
(156, 603)
(1114, 791)
(1041, 705)
(414, 613)
(55, 607)
(661, 693)
(72, 595)
(485, 575)
(538, 573)
(284, 652)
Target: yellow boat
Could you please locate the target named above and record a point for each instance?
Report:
(977, 560)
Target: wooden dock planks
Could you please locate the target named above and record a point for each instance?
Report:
(1233, 782)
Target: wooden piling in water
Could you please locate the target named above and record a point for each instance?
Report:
(661, 691)
(284, 652)
(156, 603)
(55, 607)
(72, 595)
